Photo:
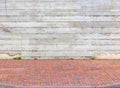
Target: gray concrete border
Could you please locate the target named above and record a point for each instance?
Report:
(2, 85)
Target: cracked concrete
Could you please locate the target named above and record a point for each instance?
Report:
(8, 56)
(5, 28)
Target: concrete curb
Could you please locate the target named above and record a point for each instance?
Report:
(117, 85)
(2, 85)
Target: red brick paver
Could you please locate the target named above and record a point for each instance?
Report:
(60, 72)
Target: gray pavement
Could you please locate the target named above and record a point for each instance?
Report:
(111, 86)
(106, 86)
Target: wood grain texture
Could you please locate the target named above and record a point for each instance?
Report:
(59, 28)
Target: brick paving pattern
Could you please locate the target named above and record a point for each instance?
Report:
(65, 73)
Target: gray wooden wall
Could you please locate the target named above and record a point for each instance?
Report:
(59, 28)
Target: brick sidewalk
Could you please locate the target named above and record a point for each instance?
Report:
(67, 73)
